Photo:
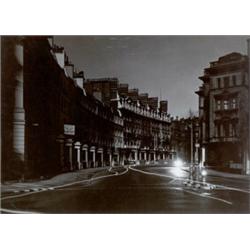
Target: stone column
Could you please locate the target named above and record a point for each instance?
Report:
(136, 152)
(78, 155)
(145, 156)
(154, 156)
(118, 158)
(203, 156)
(100, 151)
(87, 158)
(60, 140)
(94, 159)
(85, 149)
(110, 159)
(19, 114)
(122, 158)
(93, 156)
(69, 145)
(139, 156)
(247, 143)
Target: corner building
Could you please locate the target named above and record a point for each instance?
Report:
(223, 113)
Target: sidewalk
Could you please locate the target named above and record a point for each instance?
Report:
(58, 180)
(212, 172)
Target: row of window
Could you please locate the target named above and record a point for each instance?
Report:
(226, 130)
(228, 81)
(226, 104)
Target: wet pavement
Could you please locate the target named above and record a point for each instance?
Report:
(158, 189)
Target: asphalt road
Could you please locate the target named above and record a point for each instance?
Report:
(140, 190)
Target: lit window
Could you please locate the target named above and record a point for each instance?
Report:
(218, 105)
(225, 104)
(234, 103)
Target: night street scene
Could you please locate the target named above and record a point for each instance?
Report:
(125, 124)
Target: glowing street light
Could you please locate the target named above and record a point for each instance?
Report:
(178, 163)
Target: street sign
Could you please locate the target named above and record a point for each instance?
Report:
(69, 129)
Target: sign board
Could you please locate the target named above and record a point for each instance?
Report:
(69, 129)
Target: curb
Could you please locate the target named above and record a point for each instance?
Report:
(25, 192)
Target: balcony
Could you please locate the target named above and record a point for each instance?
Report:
(144, 112)
(224, 139)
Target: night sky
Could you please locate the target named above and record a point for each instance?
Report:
(166, 66)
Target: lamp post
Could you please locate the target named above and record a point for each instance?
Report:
(247, 150)
(191, 151)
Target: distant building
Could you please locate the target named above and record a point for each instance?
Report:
(146, 133)
(103, 89)
(123, 89)
(133, 94)
(153, 102)
(223, 112)
(184, 139)
(143, 98)
(164, 106)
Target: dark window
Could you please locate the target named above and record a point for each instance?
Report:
(234, 80)
(226, 129)
(218, 131)
(226, 82)
(243, 78)
(219, 83)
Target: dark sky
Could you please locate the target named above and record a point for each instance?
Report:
(169, 65)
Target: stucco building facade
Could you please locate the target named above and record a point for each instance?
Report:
(223, 113)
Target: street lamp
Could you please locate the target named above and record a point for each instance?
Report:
(203, 174)
(191, 151)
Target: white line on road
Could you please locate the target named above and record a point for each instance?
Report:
(209, 197)
(194, 193)
(198, 182)
(150, 173)
(65, 185)
(16, 211)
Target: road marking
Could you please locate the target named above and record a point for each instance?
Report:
(209, 197)
(64, 185)
(171, 181)
(194, 193)
(150, 173)
(194, 181)
(16, 211)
